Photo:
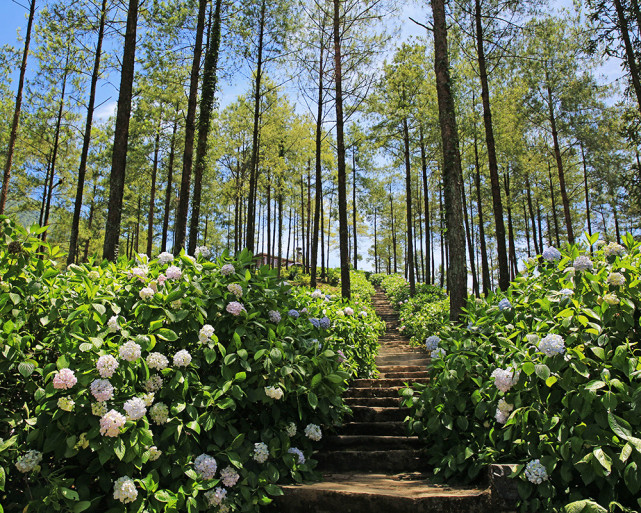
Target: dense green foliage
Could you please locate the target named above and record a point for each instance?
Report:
(552, 373)
(244, 372)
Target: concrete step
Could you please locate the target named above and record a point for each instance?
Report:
(400, 368)
(406, 375)
(391, 428)
(372, 442)
(355, 492)
(373, 392)
(386, 383)
(391, 460)
(373, 401)
(378, 414)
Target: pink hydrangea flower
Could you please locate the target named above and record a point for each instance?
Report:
(174, 273)
(64, 379)
(111, 422)
(235, 308)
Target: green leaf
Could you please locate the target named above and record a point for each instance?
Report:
(551, 380)
(334, 378)
(85, 347)
(312, 399)
(163, 496)
(316, 380)
(273, 490)
(69, 494)
(119, 448)
(166, 334)
(594, 385)
(99, 308)
(26, 369)
(528, 368)
(603, 459)
(584, 506)
(81, 506)
(3, 478)
(542, 371)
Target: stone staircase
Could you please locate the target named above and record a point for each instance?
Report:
(371, 465)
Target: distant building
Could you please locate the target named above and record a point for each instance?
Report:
(266, 259)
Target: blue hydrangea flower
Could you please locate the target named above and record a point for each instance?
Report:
(274, 316)
(315, 322)
(583, 263)
(505, 304)
(535, 472)
(431, 343)
(298, 453)
(293, 314)
(552, 345)
(551, 253)
(325, 323)
(439, 352)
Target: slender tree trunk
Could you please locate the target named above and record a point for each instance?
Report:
(537, 250)
(408, 196)
(511, 244)
(554, 217)
(121, 137)
(309, 218)
(527, 231)
(375, 245)
(180, 225)
(204, 124)
(354, 208)
(504, 276)
(152, 197)
(302, 220)
(485, 269)
(16, 113)
(629, 52)
(442, 243)
(170, 173)
(253, 168)
(269, 218)
(470, 247)
(426, 198)
(587, 195)
(92, 206)
(82, 170)
(280, 225)
(318, 156)
(616, 222)
(420, 232)
(45, 190)
(340, 155)
(391, 202)
(322, 234)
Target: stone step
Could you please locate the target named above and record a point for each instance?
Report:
(378, 414)
(385, 383)
(372, 442)
(392, 460)
(380, 493)
(398, 359)
(405, 375)
(391, 428)
(373, 401)
(373, 392)
(400, 368)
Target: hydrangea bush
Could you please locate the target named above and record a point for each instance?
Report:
(114, 399)
(551, 382)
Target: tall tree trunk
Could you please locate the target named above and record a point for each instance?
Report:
(340, 155)
(318, 163)
(629, 52)
(309, 218)
(121, 137)
(280, 225)
(302, 220)
(16, 113)
(170, 173)
(204, 124)
(485, 269)
(138, 212)
(253, 168)
(420, 232)
(511, 244)
(616, 222)
(442, 243)
(527, 230)
(587, 195)
(152, 192)
(408, 197)
(322, 234)
(426, 198)
(82, 170)
(180, 225)
(269, 218)
(354, 208)
(375, 245)
(470, 247)
(92, 209)
(554, 217)
(537, 250)
(391, 202)
(45, 190)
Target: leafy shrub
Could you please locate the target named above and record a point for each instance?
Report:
(377, 279)
(241, 382)
(333, 276)
(422, 316)
(548, 376)
(361, 287)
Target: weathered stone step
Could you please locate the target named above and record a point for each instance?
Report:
(400, 368)
(392, 460)
(399, 359)
(380, 493)
(412, 375)
(386, 383)
(378, 414)
(373, 401)
(373, 392)
(372, 442)
(392, 428)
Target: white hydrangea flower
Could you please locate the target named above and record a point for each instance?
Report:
(505, 379)
(566, 292)
(165, 258)
(317, 294)
(616, 279)
(535, 472)
(157, 361)
(551, 254)
(439, 352)
(235, 308)
(583, 263)
(66, 403)
(613, 249)
(153, 384)
(135, 408)
(261, 452)
(216, 496)
(290, 429)
(111, 422)
(503, 411)
(129, 351)
(313, 432)
(64, 379)
(206, 466)
(99, 409)
(154, 453)
(93, 275)
(138, 272)
(274, 316)
(182, 358)
(102, 390)
(349, 311)
(106, 366)
(29, 461)
(146, 293)
(611, 299)
(159, 413)
(148, 399)
(274, 392)
(552, 345)
(532, 338)
(202, 250)
(227, 269)
(235, 289)
(229, 476)
(205, 333)
(173, 273)
(112, 324)
(125, 490)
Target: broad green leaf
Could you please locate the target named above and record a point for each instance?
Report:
(166, 334)
(26, 369)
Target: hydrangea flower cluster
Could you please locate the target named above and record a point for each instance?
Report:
(505, 304)
(66, 403)
(153, 384)
(551, 254)
(206, 466)
(29, 461)
(504, 379)
(363, 314)
(341, 356)
(146, 293)
(324, 323)
(135, 408)
(261, 452)
(216, 496)
(313, 432)
(613, 249)
(99, 409)
(129, 351)
(229, 476)
(159, 413)
(293, 314)
(274, 392)
(274, 316)
(616, 279)
(64, 379)
(235, 308)
(570, 271)
(532, 338)
(432, 342)
(552, 345)
(157, 361)
(235, 289)
(317, 294)
(290, 429)
(205, 333)
(439, 352)
(503, 411)
(611, 299)
(106, 366)
(154, 453)
(112, 324)
(349, 311)
(298, 453)
(125, 490)
(148, 399)
(227, 269)
(102, 389)
(582, 263)
(111, 422)
(182, 358)
(165, 257)
(202, 250)
(535, 472)
(566, 292)
(138, 272)
(173, 273)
